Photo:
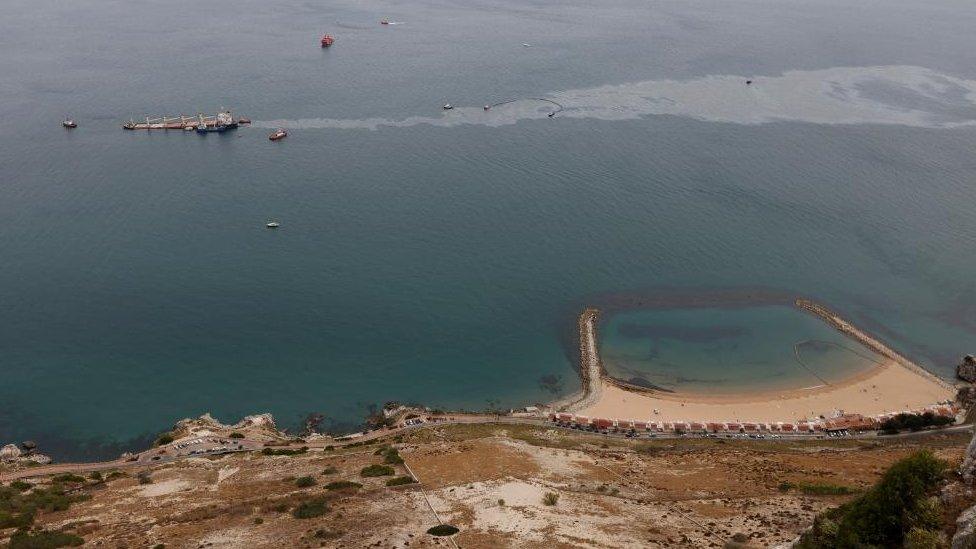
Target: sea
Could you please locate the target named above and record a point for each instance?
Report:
(757, 148)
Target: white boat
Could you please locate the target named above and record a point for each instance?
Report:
(272, 225)
(448, 107)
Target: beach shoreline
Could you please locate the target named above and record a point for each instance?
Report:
(894, 385)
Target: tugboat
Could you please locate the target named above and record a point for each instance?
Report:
(327, 40)
(69, 123)
(278, 134)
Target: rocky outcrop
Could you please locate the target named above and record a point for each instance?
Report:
(968, 467)
(965, 536)
(966, 370)
(39, 459)
(261, 421)
(261, 425)
(10, 452)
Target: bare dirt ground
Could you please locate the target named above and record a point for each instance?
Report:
(489, 481)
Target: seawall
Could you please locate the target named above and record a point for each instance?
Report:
(863, 338)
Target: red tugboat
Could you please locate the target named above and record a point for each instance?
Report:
(327, 40)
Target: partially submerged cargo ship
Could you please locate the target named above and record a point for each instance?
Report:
(222, 120)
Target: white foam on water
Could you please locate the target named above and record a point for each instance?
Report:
(898, 95)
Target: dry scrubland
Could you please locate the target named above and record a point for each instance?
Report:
(491, 482)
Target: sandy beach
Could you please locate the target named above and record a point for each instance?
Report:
(887, 388)
(895, 385)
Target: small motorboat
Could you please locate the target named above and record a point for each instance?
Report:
(278, 134)
(327, 40)
(243, 121)
(69, 123)
(271, 225)
(384, 22)
(448, 107)
(487, 107)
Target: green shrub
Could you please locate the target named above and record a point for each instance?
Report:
(116, 474)
(328, 534)
(258, 520)
(43, 539)
(918, 538)
(887, 513)
(343, 485)
(144, 477)
(68, 477)
(330, 471)
(159, 546)
(96, 476)
(399, 481)
(164, 438)
(501, 503)
(17, 509)
(551, 498)
(376, 471)
(281, 508)
(390, 455)
(236, 435)
(304, 482)
(914, 422)
(20, 485)
(310, 509)
(785, 486)
(443, 530)
(824, 489)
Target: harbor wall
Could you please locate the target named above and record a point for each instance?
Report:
(855, 333)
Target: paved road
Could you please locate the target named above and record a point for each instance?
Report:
(170, 453)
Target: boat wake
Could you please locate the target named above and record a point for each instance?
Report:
(893, 95)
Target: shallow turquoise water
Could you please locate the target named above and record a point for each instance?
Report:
(439, 262)
(729, 350)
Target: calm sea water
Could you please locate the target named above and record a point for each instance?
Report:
(442, 257)
(729, 350)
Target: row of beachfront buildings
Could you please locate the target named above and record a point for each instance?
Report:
(840, 422)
